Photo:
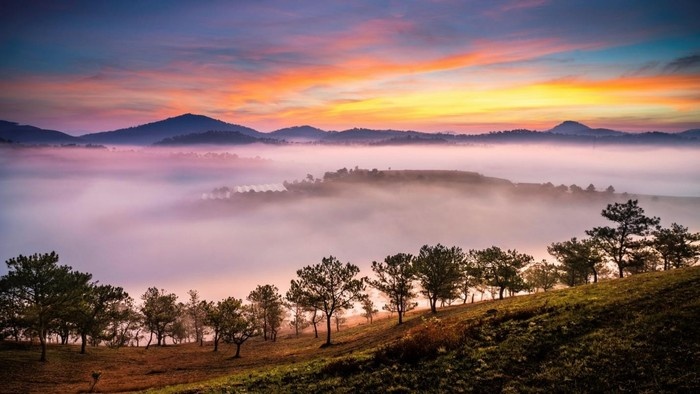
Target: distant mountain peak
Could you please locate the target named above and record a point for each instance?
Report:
(568, 126)
(572, 123)
(571, 127)
(184, 124)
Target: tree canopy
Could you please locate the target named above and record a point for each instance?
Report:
(620, 242)
(267, 306)
(329, 286)
(579, 260)
(676, 246)
(160, 311)
(42, 290)
(395, 278)
(501, 268)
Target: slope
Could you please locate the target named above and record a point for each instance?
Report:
(25, 134)
(637, 334)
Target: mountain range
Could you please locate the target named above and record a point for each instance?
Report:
(191, 129)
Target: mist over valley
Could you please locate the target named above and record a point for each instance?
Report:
(136, 217)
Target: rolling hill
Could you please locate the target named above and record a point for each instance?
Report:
(299, 134)
(25, 134)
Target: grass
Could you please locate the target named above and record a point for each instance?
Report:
(638, 334)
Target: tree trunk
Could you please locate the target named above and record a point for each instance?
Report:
(265, 326)
(238, 351)
(42, 341)
(595, 276)
(216, 341)
(500, 293)
(400, 317)
(83, 339)
(433, 303)
(315, 322)
(619, 266)
(328, 329)
(150, 339)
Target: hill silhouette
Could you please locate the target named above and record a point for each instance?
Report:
(299, 133)
(569, 132)
(153, 132)
(25, 134)
(570, 127)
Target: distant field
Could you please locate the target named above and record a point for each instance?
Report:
(636, 334)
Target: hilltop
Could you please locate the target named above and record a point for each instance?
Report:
(635, 334)
(569, 127)
(172, 127)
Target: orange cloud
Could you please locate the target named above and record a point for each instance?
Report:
(368, 90)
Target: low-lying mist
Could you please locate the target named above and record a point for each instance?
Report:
(135, 218)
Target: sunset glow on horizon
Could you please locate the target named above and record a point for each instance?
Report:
(429, 66)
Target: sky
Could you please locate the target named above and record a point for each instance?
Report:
(460, 66)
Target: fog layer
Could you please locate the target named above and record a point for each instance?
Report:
(136, 219)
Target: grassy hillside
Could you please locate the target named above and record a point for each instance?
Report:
(638, 334)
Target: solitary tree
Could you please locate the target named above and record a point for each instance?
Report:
(339, 319)
(160, 312)
(42, 289)
(676, 246)
(619, 242)
(501, 268)
(438, 270)
(214, 318)
(395, 278)
(298, 320)
(329, 286)
(369, 309)
(298, 309)
(267, 308)
(579, 260)
(240, 325)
